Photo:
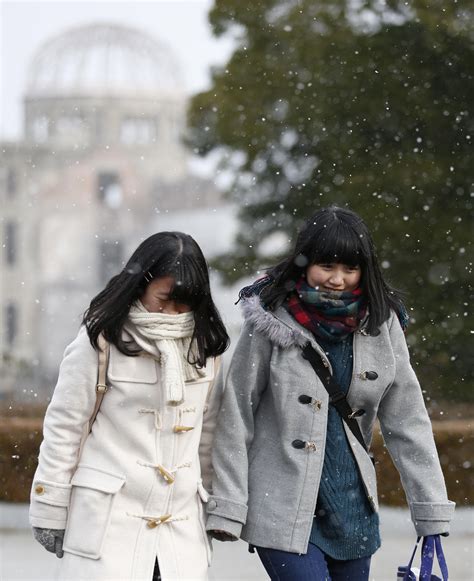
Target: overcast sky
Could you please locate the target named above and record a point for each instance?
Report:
(25, 26)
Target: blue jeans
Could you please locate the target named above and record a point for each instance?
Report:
(314, 566)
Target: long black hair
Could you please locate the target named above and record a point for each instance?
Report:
(331, 235)
(164, 254)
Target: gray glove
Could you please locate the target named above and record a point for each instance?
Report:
(51, 539)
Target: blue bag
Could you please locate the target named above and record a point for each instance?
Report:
(430, 545)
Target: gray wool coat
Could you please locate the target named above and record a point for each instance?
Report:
(265, 489)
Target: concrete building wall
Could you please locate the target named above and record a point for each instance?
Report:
(94, 175)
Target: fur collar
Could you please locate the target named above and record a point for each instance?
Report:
(279, 327)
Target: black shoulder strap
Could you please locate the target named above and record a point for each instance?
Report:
(336, 397)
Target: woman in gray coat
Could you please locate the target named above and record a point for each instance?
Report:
(292, 477)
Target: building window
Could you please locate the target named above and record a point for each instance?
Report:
(11, 324)
(138, 131)
(176, 128)
(109, 189)
(98, 127)
(10, 241)
(110, 263)
(72, 129)
(11, 182)
(40, 129)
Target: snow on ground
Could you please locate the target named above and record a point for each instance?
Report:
(21, 558)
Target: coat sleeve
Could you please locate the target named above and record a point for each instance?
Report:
(211, 411)
(245, 382)
(65, 425)
(407, 432)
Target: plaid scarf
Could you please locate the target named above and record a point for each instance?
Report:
(331, 315)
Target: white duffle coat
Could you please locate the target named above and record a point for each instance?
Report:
(134, 493)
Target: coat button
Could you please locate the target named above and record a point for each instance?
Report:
(180, 429)
(298, 444)
(212, 505)
(39, 489)
(152, 524)
(304, 399)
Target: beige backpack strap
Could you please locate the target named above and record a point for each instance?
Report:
(101, 387)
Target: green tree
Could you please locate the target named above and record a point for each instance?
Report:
(365, 104)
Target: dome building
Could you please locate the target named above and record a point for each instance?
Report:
(100, 167)
(101, 84)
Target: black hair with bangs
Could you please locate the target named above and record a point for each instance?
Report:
(335, 235)
(164, 254)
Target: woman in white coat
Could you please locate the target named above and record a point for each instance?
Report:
(125, 501)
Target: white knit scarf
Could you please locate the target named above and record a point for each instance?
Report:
(168, 338)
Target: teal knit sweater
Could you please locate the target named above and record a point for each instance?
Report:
(345, 526)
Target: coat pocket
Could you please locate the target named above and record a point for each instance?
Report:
(90, 509)
(202, 497)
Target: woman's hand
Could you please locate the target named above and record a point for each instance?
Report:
(221, 535)
(51, 539)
